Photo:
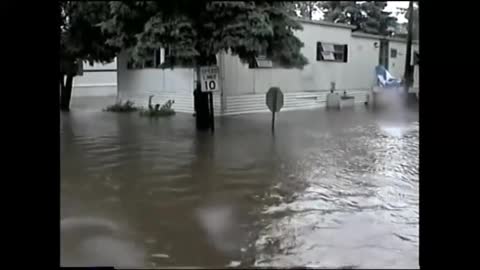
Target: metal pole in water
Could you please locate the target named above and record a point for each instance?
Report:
(274, 101)
(273, 111)
(212, 118)
(273, 122)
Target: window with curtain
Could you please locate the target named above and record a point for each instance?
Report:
(332, 52)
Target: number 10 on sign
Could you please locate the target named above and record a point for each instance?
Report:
(209, 78)
(210, 86)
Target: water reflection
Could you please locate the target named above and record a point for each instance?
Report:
(331, 189)
(88, 241)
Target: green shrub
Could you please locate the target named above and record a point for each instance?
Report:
(128, 106)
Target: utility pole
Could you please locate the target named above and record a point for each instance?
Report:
(408, 67)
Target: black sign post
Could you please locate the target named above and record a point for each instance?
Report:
(273, 112)
(274, 101)
(212, 118)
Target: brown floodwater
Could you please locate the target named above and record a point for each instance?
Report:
(330, 189)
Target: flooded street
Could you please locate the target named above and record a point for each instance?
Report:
(330, 189)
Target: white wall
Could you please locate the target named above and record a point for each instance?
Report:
(94, 78)
(235, 82)
(95, 91)
(396, 66)
(164, 84)
(363, 59)
(317, 75)
(416, 77)
(96, 83)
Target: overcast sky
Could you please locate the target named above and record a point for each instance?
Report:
(391, 7)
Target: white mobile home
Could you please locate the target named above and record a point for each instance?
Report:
(335, 54)
(96, 80)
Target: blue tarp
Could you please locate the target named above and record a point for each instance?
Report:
(385, 79)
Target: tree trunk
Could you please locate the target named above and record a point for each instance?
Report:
(201, 107)
(66, 93)
(408, 67)
(61, 83)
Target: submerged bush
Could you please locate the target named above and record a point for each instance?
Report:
(153, 113)
(157, 111)
(128, 106)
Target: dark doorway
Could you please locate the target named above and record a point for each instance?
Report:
(383, 55)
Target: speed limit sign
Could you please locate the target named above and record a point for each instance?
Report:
(209, 79)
